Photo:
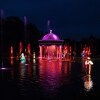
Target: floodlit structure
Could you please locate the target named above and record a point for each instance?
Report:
(51, 47)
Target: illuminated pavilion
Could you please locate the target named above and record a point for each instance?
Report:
(51, 47)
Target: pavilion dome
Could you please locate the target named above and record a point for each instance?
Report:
(51, 36)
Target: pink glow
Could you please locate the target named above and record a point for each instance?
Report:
(11, 61)
(20, 47)
(11, 52)
(52, 73)
(51, 47)
(29, 48)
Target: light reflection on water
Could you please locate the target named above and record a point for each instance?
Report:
(88, 83)
(49, 77)
(52, 74)
(49, 74)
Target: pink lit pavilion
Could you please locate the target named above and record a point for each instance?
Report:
(50, 46)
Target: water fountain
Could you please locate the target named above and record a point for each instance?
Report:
(88, 64)
(23, 59)
(2, 51)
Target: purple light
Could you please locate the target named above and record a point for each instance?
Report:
(3, 68)
(50, 36)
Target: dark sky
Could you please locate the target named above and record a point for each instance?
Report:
(68, 18)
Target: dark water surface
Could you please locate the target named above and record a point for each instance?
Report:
(49, 80)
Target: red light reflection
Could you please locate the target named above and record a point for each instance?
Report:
(52, 73)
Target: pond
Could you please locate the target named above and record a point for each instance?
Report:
(49, 80)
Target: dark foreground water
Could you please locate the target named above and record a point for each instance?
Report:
(49, 80)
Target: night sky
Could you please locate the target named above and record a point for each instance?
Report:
(68, 18)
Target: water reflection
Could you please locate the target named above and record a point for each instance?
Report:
(88, 83)
(11, 61)
(12, 72)
(53, 74)
(23, 78)
(23, 71)
(51, 77)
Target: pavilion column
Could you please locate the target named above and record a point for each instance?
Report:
(60, 51)
(57, 52)
(47, 51)
(40, 51)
